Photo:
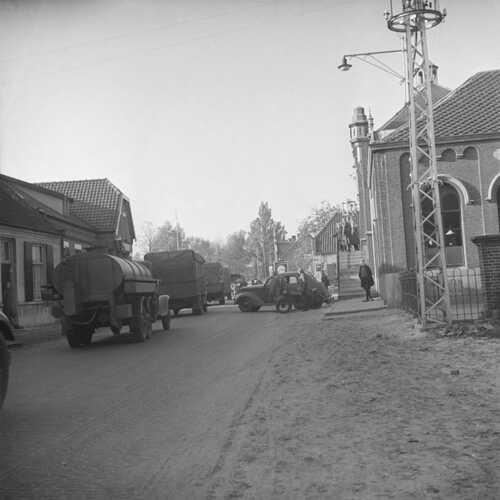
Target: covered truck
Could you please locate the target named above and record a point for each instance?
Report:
(218, 282)
(97, 289)
(181, 277)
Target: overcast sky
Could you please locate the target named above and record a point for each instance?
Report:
(204, 108)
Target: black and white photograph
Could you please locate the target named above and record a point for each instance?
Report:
(249, 249)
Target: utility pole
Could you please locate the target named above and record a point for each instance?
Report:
(413, 21)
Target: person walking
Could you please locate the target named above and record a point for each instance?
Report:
(366, 277)
(324, 279)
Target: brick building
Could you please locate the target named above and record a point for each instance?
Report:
(467, 131)
(41, 223)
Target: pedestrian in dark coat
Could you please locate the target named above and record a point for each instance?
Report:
(366, 277)
(324, 279)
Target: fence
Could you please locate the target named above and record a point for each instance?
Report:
(466, 294)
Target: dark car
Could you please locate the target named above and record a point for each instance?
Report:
(285, 291)
(5, 334)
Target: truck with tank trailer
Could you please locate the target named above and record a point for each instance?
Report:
(96, 289)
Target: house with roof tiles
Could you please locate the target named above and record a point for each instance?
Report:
(41, 223)
(467, 133)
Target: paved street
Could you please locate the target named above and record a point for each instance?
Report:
(126, 420)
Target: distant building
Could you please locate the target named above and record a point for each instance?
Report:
(467, 131)
(40, 224)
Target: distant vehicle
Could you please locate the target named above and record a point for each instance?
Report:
(181, 277)
(5, 334)
(97, 289)
(284, 291)
(218, 282)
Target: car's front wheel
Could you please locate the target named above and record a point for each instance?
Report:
(283, 305)
(245, 305)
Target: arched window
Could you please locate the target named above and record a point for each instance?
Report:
(498, 206)
(451, 215)
(448, 155)
(470, 153)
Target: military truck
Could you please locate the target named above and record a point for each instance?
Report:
(218, 282)
(181, 277)
(96, 289)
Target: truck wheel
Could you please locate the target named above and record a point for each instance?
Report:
(4, 369)
(139, 329)
(141, 324)
(197, 306)
(73, 338)
(85, 334)
(165, 321)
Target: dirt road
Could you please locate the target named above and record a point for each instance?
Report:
(368, 407)
(257, 406)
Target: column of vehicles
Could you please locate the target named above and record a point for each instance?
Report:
(96, 289)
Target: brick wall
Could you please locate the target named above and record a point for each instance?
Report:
(489, 262)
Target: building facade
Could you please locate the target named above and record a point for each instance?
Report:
(39, 226)
(467, 132)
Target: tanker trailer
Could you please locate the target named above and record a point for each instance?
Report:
(99, 289)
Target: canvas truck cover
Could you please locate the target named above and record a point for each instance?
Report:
(214, 276)
(180, 272)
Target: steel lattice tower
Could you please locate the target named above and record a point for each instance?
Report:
(415, 18)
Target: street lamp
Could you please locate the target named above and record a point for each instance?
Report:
(371, 59)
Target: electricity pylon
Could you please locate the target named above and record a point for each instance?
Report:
(414, 19)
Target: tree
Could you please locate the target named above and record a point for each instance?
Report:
(209, 250)
(146, 238)
(263, 239)
(318, 219)
(235, 253)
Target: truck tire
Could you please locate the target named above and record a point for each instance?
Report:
(197, 306)
(165, 321)
(4, 368)
(141, 325)
(77, 335)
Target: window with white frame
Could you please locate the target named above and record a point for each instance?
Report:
(39, 270)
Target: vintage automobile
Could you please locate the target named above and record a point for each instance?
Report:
(285, 291)
(5, 334)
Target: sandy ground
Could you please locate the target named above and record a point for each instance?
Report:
(369, 407)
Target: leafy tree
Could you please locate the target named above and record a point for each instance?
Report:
(318, 219)
(235, 254)
(209, 250)
(263, 237)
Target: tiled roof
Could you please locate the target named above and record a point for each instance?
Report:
(54, 214)
(401, 117)
(16, 211)
(471, 109)
(96, 201)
